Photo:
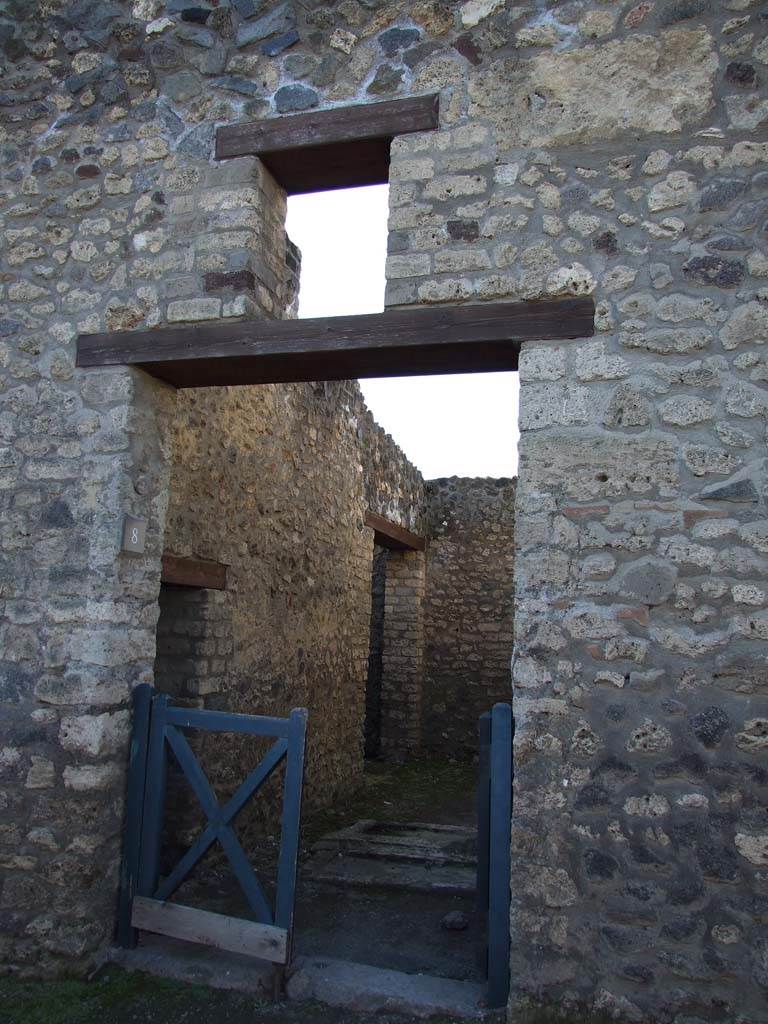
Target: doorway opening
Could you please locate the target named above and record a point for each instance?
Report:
(279, 482)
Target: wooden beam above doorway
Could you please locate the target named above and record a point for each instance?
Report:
(390, 535)
(342, 147)
(193, 572)
(415, 341)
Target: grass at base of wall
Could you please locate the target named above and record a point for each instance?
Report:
(121, 997)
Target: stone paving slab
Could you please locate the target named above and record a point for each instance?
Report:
(404, 855)
(375, 990)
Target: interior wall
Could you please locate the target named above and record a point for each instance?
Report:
(468, 608)
(275, 482)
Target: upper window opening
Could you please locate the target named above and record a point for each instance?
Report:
(447, 425)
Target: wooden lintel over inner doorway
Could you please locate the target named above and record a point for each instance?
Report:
(416, 341)
(390, 535)
(193, 572)
(343, 147)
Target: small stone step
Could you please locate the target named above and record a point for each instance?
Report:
(367, 989)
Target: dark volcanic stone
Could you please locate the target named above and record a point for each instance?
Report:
(686, 765)
(15, 683)
(643, 854)
(247, 8)
(638, 972)
(198, 15)
(717, 861)
(295, 97)
(387, 79)
(9, 327)
(592, 795)
(741, 73)
(164, 55)
(746, 215)
(612, 768)
(606, 242)
(720, 192)
(239, 280)
(599, 865)
(573, 194)
(282, 19)
(88, 171)
(41, 165)
(731, 490)
(280, 43)
(196, 35)
(681, 10)
(687, 889)
(710, 725)
(727, 243)
(679, 928)
(417, 54)
(396, 39)
(57, 515)
(467, 47)
(233, 83)
(198, 141)
(464, 230)
(115, 91)
(715, 270)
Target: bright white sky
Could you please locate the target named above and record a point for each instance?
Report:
(454, 425)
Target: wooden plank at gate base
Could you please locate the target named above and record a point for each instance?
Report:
(231, 933)
(326, 149)
(398, 342)
(193, 572)
(390, 535)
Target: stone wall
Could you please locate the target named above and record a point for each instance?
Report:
(402, 673)
(468, 608)
(275, 481)
(617, 149)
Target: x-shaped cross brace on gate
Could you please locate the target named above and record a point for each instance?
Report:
(220, 822)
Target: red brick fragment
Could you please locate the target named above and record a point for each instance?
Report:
(636, 614)
(638, 13)
(582, 511)
(691, 516)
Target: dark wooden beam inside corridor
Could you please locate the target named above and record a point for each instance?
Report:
(193, 572)
(342, 147)
(416, 341)
(392, 536)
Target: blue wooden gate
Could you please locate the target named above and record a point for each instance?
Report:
(494, 835)
(159, 730)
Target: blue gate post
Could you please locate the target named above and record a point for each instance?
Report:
(483, 836)
(127, 936)
(500, 863)
(154, 799)
(291, 826)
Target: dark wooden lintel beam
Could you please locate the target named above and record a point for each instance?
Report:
(340, 147)
(399, 342)
(193, 572)
(392, 536)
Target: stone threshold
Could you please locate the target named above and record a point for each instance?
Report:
(338, 983)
